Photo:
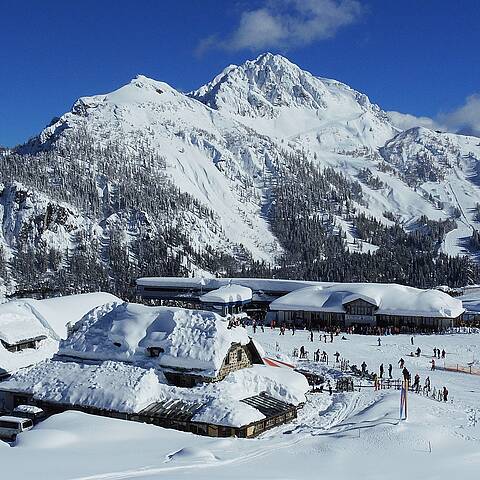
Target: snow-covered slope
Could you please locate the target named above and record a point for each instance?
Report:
(208, 155)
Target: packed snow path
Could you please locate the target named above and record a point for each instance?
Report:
(346, 435)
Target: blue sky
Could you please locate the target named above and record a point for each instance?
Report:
(415, 56)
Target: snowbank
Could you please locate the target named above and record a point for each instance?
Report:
(390, 299)
(227, 295)
(190, 339)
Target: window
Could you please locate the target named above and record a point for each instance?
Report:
(9, 424)
(27, 424)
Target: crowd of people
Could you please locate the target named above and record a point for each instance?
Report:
(383, 373)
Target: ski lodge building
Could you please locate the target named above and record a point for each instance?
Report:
(318, 304)
(172, 367)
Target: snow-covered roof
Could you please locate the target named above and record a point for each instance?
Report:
(58, 312)
(227, 295)
(390, 299)
(27, 409)
(256, 284)
(122, 387)
(26, 319)
(190, 339)
(110, 385)
(18, 323)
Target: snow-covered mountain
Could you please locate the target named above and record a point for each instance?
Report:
(203, 173)
(279, 99)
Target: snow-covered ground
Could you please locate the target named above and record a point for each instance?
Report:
(347, 435)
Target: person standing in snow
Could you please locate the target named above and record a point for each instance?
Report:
(401, 363)
(379, 342)
(426, 387)
(381, 370)
(331, 337)
(445, 394)
(364, 369)
(311, 335)
(406, 374)
(443, 353)
(337, 355)
(254, 324)
(435, 352)
(416, 383)
(261, 327)
(418, 351)
(390, 368)
(293, 328)
(411, 340)
(433, 365)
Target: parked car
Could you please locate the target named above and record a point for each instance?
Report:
(29, 411)
(11, 426)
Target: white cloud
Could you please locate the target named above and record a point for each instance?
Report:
(464, 119)
(404, 121)
(286, 24)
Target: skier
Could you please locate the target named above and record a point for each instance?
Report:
(445, 394)
(364, 369)
(381, 370)
(433, 365)
(411, 340)
(443, 353)
(337, 355)
(418, 352)
(435, 352)
(311, 335)
(379, 342)
(254, 327)
(406, 374)
(302, 352)
(401, 363)
(261, 326)
(293, 329)
(325, 337)
(331, 337)
(390, 368)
